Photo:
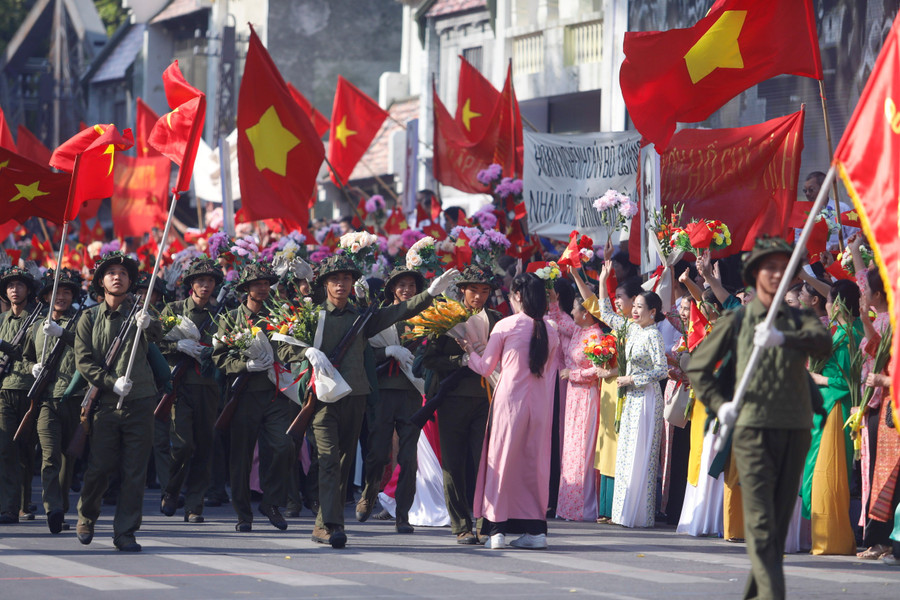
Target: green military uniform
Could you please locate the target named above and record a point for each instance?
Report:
(262, 413)
(121, 440)
(58, 419)
(336, 426)
(398, 400)
(197, 397)
(16, 458)
(772, 432)
(462, 418)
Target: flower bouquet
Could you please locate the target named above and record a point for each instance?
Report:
(177, 328)
(616, 210)
(846, 258)
(620, 334)
(438, 319)
(663, 228)
(487, 246)
(603, 352)
(360, 247)
(422, 256)
(243, 339)
(549, 274)
(293, 324)
(375, 208)
(700, 235)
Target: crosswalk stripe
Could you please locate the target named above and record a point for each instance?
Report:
(436, 569)
(77, 573)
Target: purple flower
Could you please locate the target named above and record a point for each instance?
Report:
(382, 244)
(516, 186)
(485, 217)
(231, 276)
(627, 208)
(320, 254)
(110, 247)
(375, 203)
(218, 243)
(411, 236)
(496, 238)
(486, 176)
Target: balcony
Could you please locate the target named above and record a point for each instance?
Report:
(528, 54)
(581, 43)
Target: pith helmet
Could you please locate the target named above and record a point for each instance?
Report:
(254, 272)
(16, 274)
(114, 258)
(763, 247)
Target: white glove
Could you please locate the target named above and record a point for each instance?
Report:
(400, 354)
(143, 320)
(767, 338)
(122, 387)
(263, 364)
(319, 361)
(442, 282)
(53, 329)
(36, 370)
(190, 347)
(361, 287)
(728, 414)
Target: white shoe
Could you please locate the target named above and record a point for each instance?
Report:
(497, 542)
(531, 542)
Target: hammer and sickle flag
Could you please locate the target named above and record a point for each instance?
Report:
(685, 75)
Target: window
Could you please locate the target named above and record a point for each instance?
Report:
(528, 54)
(474, 57)
(581, 43)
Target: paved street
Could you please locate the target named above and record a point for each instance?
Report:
(212, 561)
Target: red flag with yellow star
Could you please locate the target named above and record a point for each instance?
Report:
(31, 147)
(355, 119)
(319, 121)
(145, 119)
(279, 151)
(28, 189)
(867, 159)
(476, 99)
(90, 155)
(698, 326)
(396, 222)
(177, 133)
(685, 75)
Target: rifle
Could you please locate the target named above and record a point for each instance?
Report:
(301, 421)
(164, 408)
(236, 388)
(88, 405)
(44, 378)
(14, 346)
(426, 413)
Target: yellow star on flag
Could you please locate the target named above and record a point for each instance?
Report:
(342, 132)
(29, 192)
(169, 117)
(111, 150)
(3, 164)
(468, 114)
(718, 47)
(271, 142)
(852, 215)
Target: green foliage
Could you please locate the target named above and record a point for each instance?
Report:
(111, 13)
(12, 13)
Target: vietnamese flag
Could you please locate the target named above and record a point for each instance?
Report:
(140, 194)
(319, 121)
(91, 234)
(355, 119)
(6, 138)
(396, 222)
(685, 75)
(28, 189)
(476, 100)
(145, 119)
(90, 155)
(32, 148)
(279, 151)
(697, 326)
(571, 256)
(177, 133)
(867, 159)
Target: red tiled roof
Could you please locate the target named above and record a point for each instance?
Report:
(446, 7)
(376, 159)
(179, 8)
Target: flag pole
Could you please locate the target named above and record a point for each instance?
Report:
(792, 267)
(137, 334)
(62, 249)
(834, 184)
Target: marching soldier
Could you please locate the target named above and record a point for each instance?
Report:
(197, 393)
(58, 418)
(262, 412)
(336, 425)
(17, 289)
(400, 395)
(122, 439)
(463, 417)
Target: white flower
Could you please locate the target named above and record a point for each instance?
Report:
(422, 243)
(355, 247)
(413, 259)
(587, 254)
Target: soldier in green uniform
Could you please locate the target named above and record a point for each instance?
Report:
(463, 417)
(772, 432)
(336, 425)
(58, 418)
(17, 288)
(121, 439)
(262, 412)
(197, 395)
(399, 398)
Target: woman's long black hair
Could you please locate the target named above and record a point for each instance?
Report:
(534, 304)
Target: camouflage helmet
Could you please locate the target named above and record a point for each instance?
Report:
(476, 274)
(67, 278)
(143, 283)
(254, 272)
(109, 259)
(337, 263)
(203, 266)
(394, 277)
(16, 274)
(764, 246)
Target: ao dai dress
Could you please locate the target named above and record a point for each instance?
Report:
(640, 428)
(578, 478)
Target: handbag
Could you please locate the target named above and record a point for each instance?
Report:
(676, 406)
